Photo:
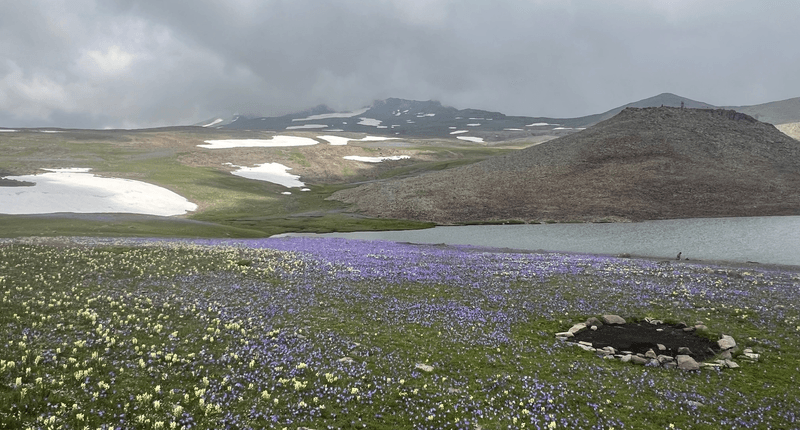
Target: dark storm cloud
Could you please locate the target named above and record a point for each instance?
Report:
(137, 63)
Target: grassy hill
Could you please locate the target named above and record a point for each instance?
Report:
(653, 163)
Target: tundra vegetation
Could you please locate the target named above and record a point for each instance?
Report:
(332, 333)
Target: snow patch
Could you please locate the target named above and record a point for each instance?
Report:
(216, 121)
(276, 141)
(375, 159)
(333, 115)
(338, 140)
(513, 129)
(370, 122)
(304, 126)
(474, 124)
(563, 128)
(471, 139)
(459, 131)
(538, 124)
(269, 172)
(7, 130)
(76, 190)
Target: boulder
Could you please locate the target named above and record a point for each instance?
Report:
(613, 319)
(686, 362)
(635, 359)
(684, 350)
(577, 328)
(650, 354)
(593, 322)
(726, 342)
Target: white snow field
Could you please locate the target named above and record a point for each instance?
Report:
(270, 172)
(333, 115)
(459, 131)
(375, 159)
(305, 126)
(538, 124)
(7, 130)
(76, 190)
(215, 122)
(369, 122)
(471, 139)
(339, 140)
(276, 141)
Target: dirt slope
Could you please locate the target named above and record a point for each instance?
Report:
(652, 163)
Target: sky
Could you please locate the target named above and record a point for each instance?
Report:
(136, 64)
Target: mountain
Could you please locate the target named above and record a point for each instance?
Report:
(430, 119)
(650, 163)
(401, 118)
(780, 112)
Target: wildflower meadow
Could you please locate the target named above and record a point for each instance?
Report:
(343, 334)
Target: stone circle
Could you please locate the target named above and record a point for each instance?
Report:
(655, 343)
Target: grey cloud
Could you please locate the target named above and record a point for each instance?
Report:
(131, 63)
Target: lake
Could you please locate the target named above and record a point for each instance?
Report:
(768, 240)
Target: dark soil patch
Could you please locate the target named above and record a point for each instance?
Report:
(639, 337)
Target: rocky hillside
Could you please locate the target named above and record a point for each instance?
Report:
(651, 163)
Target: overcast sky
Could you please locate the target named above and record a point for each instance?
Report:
(130, 64)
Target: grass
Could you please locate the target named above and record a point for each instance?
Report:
(338, 334)
(229, 206)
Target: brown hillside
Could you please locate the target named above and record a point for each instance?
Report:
(652, 163)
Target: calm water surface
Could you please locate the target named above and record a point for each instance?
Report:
(771, 240)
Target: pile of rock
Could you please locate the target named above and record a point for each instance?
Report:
(660, 356)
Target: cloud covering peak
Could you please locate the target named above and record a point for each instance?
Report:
(124, 63)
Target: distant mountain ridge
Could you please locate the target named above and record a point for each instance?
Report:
(649, 163)
(430, 119)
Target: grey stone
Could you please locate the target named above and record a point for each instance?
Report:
(424, 367)
(694, 404)
(688, 329)
(586, 347)
(661, 347)
(751, 356)
(686, 362)
(613, 319)
(635, 359)
(577, 328)
(345, 360)
(670, 365)
(594, 327)
(664, 359)
(650, 354)
(726, 342)
(684, 350)
(584, 343)
(593, 322)
(701, 327)
(731, 364)
(626, 358)
(726, 355)
(565, 334)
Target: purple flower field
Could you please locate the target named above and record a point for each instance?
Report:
(334, 333)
